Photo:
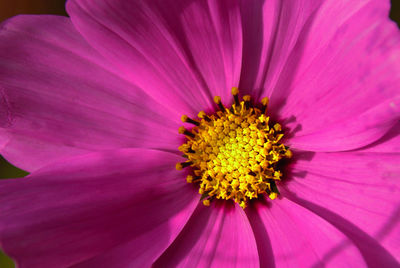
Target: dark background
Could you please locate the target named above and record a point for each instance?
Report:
(9, 9)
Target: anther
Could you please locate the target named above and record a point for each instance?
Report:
(272, 184)
(183, 130)
(187, 150)
(206, 202)
(278, 127)
(235, 93)
(186, 119)
(217, 100)
(247, 99)
(191, 179)
(273, 195)
(288, 153)
(180, 166)
(203, 115)
(264, 102)
(184, 148)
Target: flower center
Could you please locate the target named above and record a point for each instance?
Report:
(234, 153)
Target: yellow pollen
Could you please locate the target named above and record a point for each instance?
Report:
(206, 202)
(217, 99)
(201, 114)
(181, 130)
(265, 101)
(246, 97)
(235, 91)
(179, 167)
(184, 118)
(234, 153)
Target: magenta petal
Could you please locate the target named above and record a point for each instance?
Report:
(78, 209)
(60, 98)
(216, 236)
(213, 33)
(359, 193)
(352, 133)
(168, 48)
(346, 64)
(289, 235)
(390, 143)
(271, 30)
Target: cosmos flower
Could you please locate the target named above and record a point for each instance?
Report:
(291, 134)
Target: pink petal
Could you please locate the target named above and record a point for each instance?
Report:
(344, 67)
(180, 52)
(271, 29)
(356, 132)
(79, 209)
(216, 236)
(390, 143)
(213, 33)
(359, 193)
(60, 98)
(289, 235)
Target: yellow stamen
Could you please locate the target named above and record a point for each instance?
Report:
(206, 202)
(189, 179)
(235, 91)
(178, 166)
(234, 153)
(217, 99)
(186, 119)
(265, 101)
(246, 97)
(181, 130)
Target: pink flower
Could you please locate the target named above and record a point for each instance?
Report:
(91, 105)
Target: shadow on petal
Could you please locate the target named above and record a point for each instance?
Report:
(374, 254)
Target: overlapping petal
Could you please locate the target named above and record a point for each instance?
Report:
(178, 51)
(358, 192)
(271, 31)
(389, 143)
(351, 133)
(61, 98)
(216, 236)
(345, 66)
(289, 235)
(80, 209)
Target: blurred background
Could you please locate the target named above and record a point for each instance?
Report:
(10, 8)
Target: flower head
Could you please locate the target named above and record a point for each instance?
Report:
(234, 153)
(91, 106)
